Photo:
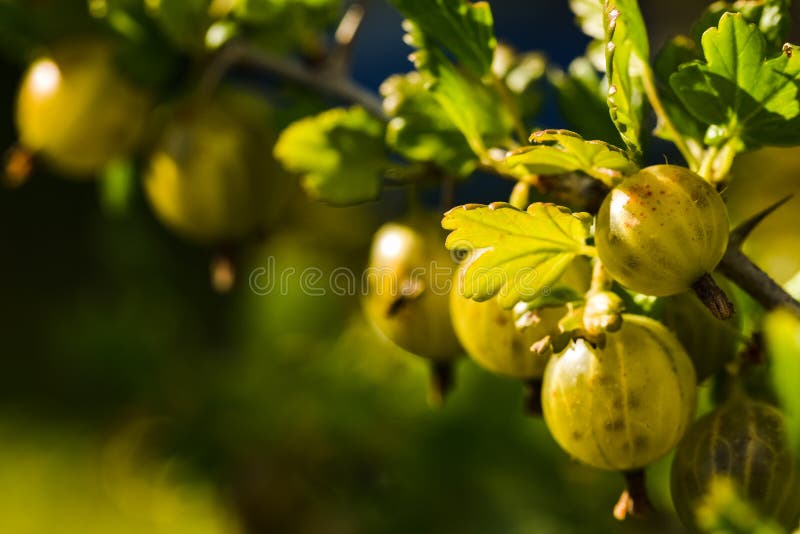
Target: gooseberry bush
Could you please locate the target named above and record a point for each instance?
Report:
(610, 286)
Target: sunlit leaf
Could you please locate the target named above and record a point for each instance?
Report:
(562, 151)
(340, 155)
(738, 93)
(517, 253)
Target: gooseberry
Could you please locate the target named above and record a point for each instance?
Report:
(491, 338)
(745, 442)
(623, 405)
(77, 111)
(212, 178)
(661, 230)
(408, 279)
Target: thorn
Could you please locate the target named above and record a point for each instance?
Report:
(740, 233)
(532, 397)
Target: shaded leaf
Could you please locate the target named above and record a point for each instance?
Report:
(772, 17)
(461, 28)
(419, 129)
(517, 253)
(473, 106)
(627, 50)
(562, 151)
(582, 100)
(738, 93)
(676, 52)
(339, 153)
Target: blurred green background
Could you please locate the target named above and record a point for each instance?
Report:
(133, 398)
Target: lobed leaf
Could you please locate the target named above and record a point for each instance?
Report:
(516, 253)
(738, 94)
(419, 128)
(772, 17)
(461, 28)
(339, 153)
(627, 51)
(562, 151)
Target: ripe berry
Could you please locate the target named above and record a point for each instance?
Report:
(490, 337)
(408, 288)
(622, 406)
(211, 179)
(744, 441)
(661, 230)
(77, 111)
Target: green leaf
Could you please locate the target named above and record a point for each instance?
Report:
(473, 106)
(772, 17)
(725, 510)
(461, 28)
(582, 100)
(782, 330)
(339, 153)
(589, 15)
(521, 74)
(562, 151)
(737, 93)
(627, 53)
(517, 253)
(420, 130)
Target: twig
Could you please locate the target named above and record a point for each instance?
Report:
(337, 86)
(758, 284)
(746, 274)
(340, 57)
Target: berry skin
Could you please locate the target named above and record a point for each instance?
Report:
(488, 333)
(408, 282)
(211, 179)
(661, 230)
(77, 111)
(623, 406)
(744, 441)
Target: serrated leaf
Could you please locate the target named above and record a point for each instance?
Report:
(472, 105)
(562, 151)
(772, 17)
(463, 29)
(738, 93)
(517, 252)
(782, 330)
(340, 155)
(589, 15)
(582, 100)
(419, 129)
(627, 50)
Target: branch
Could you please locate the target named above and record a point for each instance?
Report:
(340, 57)
(747, 275)
(337, 86)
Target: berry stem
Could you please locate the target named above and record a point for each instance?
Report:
(634, 500)
(442, 380)
(713, 297)
(532, 397)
